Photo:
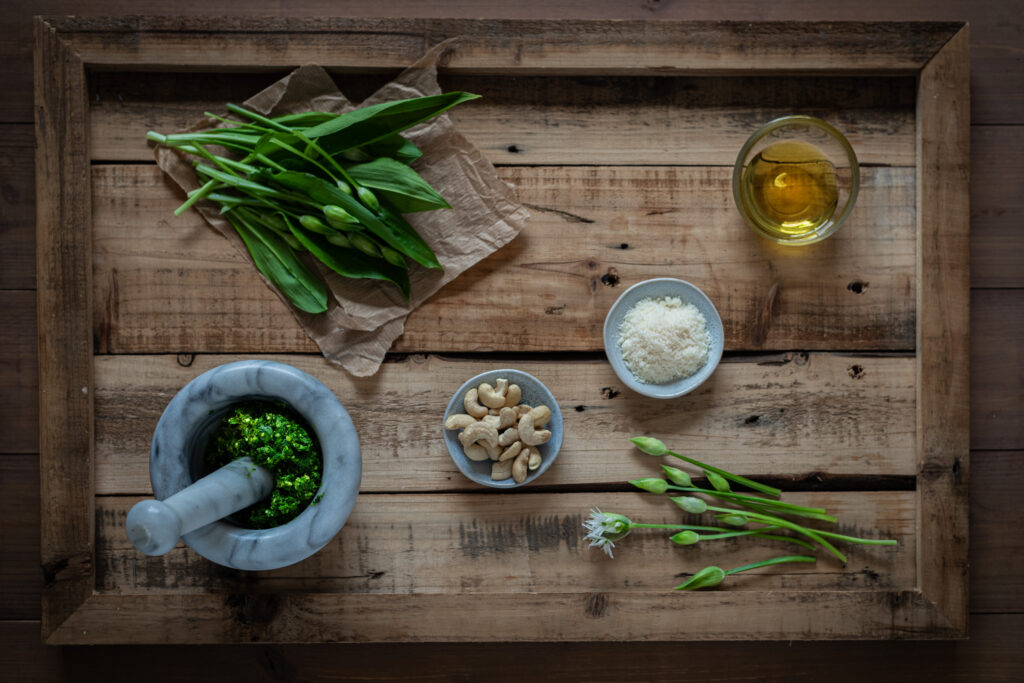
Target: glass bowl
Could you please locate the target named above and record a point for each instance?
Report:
(796, 180)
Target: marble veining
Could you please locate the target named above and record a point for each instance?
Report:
(191, 416)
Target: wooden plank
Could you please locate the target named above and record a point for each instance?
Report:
(64, 269)
(20, 576)
(992, 656)
(169, 285)
(17, 220)
(997, 206)
(997, 549)
(487, 544)
(999, 96)
(499, 45)
(19, 374)
(997, 369)
(508, 617)
(943, 328)
(556, 120)
(790, 416)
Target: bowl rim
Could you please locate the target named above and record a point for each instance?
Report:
(643, 388)
(261, 549)
(834, 223)
(463, 463)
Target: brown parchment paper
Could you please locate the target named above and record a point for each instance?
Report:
(364, 317)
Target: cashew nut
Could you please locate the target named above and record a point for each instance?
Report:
(491, 397)
(498, 427)
(492, 451)
(501, 470)
(508, 418)
(508, 436)
(541, 415)
(480, 431)
(534, 460)
(459, 421)
(475, 451)
(511, 452)
(513, 396)
(527, 432)
(519, 468)
(473, 407)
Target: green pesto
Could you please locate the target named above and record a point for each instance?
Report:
(277, 440)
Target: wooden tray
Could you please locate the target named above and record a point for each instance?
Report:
(845, 378)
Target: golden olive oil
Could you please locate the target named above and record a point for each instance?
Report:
(789, 189)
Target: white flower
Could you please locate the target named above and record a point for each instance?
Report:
(603, 529)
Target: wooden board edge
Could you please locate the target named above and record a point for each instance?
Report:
(652, 616)
(497, 45)
(943, 328)
(64, 306)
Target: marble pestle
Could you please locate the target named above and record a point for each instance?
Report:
(154, 526)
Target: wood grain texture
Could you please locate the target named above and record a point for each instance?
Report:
(992, 656)
(19, 374)
(549, 120)
(997, 206)
(496, 45)
(64, 290)
(993, 653)
(637, 616)
(899, 613)
(997, 548)
(20, 575)
(169, 285)
(793, 415)
(481, 544)
(943, 332)
(996, 34)
(17, 220)
(997, 369)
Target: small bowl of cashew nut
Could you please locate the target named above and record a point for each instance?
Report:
(503, 428)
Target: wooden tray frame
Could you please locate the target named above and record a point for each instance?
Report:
(66, 49)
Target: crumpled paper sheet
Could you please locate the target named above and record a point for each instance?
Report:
(364, 317)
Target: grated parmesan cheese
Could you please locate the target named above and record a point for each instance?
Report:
(663, 340)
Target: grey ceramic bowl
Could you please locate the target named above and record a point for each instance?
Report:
(534, 394)
(175, 460)
(660, 287)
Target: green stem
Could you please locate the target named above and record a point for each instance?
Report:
(785, 524)
(774, 560)
(242, 111)
(285, 146)
(195, 196)
(854, 539)
(735, 478)
(813, 513)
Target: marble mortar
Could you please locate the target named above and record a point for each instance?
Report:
(175, 460)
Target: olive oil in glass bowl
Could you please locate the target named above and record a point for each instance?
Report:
(796, 180)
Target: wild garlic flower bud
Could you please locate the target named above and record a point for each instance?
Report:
(694, 506)
(705, 578)
(368, 198)
(650, 484)
(649, 445)
(677, 476)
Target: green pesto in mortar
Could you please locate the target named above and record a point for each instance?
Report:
(276, 439)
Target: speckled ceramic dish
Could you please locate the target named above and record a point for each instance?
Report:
(656, 288)
(534, 394)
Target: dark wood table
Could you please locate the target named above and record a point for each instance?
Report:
(997, 439)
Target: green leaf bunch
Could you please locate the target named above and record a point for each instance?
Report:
(334, 186)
